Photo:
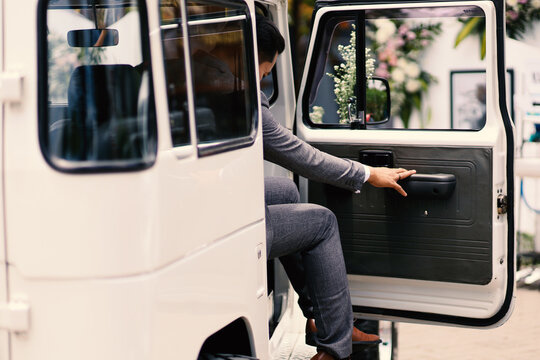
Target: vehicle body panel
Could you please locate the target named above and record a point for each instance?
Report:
(136, 263)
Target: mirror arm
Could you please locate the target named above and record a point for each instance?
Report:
(94, 8)
(355, 123)
(378, 122)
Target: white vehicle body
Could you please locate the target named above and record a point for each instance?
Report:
(149, 262)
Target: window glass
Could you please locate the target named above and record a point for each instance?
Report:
(415, 51)
(222, 71)
(175, 71)
(269, 85)
(99, 111)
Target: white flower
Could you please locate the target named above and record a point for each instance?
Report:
(370, 63)
(402, 63)
(398, 75)
(385, 29)
(535, 4)
(511, 3)
(412, 70)
(412, 86)
(317, 114)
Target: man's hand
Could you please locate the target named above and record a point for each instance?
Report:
(387, 177)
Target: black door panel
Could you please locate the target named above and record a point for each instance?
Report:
(417, 237)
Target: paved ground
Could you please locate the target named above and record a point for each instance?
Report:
(518, 339)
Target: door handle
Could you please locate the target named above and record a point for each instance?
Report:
(431, 186)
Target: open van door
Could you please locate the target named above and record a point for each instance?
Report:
(445, 253)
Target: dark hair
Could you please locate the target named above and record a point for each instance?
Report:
(269, 39)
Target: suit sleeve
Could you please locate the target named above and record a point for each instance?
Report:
(283, 148)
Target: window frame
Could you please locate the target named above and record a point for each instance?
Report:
(180, 149)
(225, 145)
(319, 47)
(73, 167)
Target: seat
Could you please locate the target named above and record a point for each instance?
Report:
(102, 112)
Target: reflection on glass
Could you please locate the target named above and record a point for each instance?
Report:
(100, 108)
(413, 48)
(220, 71)
(376, 101)
(268, 85)
(175, 71)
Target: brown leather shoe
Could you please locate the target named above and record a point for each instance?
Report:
(321, 355)
(358, 337)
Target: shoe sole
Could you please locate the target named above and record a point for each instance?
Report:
(311, 340)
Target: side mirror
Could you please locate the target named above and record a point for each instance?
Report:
(377, 101)
(92, 37)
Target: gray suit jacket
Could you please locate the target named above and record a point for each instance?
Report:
(285, 149)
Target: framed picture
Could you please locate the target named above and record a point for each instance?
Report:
(468, 98)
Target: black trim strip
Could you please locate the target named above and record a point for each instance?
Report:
(214, 148)
(360, 86)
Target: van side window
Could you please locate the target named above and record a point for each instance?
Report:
(175, 70)
(96, 100)
(222, 63)
(400, 46)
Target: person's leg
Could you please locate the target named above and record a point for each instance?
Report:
(281, 190)
(312, 230)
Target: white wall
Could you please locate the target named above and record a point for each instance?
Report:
(521, 56)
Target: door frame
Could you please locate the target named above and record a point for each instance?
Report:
(505, 310)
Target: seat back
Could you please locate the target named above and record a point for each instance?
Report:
(102, 113)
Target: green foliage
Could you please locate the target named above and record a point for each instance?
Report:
(520, 16)
(376, 104)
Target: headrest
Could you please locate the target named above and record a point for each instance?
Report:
(101, 93)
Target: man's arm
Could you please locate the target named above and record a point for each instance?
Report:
(285, 149)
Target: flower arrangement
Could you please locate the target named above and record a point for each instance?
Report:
(395, 50)
(398, 47)
(345, 76)
(520, 16)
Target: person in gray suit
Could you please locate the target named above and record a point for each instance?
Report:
(312, 255)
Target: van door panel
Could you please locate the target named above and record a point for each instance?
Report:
(414, 237)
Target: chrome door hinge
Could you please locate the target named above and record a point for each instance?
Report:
(502, 204)
(15, 316)
(11, 84)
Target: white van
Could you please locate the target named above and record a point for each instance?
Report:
(132, 202)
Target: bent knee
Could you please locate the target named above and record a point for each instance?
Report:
(280, 190)
(324, 216)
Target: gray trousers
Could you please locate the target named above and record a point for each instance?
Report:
(305, 237)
